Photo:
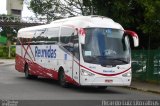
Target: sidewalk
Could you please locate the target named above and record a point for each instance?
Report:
(7, 61)
(143, 86)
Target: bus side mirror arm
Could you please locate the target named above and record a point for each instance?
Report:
(81, 33)
(134, 36)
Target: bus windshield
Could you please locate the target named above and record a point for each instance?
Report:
(106, 46)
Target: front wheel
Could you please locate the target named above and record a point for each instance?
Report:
(102, 87)
(62, 79)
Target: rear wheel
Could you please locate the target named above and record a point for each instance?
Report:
(27, 75)
(62, 79)
(26, 71)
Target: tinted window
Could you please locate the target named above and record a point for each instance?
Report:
(47, 35)
(66, 35)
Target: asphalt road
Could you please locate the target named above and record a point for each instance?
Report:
(14, 86)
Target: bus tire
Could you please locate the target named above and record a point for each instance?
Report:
(26, 71)
(27, 75)
(102, 87)
(62, 79)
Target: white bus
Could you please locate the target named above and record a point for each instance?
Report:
(83, 50)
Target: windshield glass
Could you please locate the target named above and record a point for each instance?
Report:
(106, 46)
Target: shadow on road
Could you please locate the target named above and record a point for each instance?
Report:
(80, 89)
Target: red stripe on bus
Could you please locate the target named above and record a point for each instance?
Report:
(26, 52)
(101, 73)
(39, 70)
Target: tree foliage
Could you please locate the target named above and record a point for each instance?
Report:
(9, 32)
(141, 16)
(57, 8)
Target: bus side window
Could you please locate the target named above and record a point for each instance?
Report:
(18, 41)
(76, 46)
(66, 38)
(30, 39)
(52, 35)
(24, 40)
(38, 36)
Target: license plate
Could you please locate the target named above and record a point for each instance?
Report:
(108, 81)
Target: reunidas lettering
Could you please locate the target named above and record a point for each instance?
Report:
(48, 52)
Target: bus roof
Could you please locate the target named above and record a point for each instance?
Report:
(79, 22)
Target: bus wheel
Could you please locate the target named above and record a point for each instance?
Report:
(27, 75)
(26, 71)
(62, 79)
(102, 87)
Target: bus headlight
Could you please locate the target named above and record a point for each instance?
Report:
(128, 74)
(86, 73)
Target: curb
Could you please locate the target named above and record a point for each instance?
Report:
(3, 64)
(141, 89)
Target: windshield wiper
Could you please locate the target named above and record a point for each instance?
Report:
(111, 58)
(90, 58)
(119, 59)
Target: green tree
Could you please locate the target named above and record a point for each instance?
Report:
(9, 32)
(138, 15)
(141, 16)
(58, 8)
(151, 24)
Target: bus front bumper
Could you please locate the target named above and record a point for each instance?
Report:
(106, 81)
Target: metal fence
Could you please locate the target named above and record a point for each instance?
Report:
(4, 18)
(146, 65)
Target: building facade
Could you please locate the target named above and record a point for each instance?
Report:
(14, 7)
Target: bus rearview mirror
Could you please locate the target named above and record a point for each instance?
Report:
(134, 36)
(82, 39)
(81, 34)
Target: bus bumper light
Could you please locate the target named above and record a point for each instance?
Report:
(128, 74)
(86, 73)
